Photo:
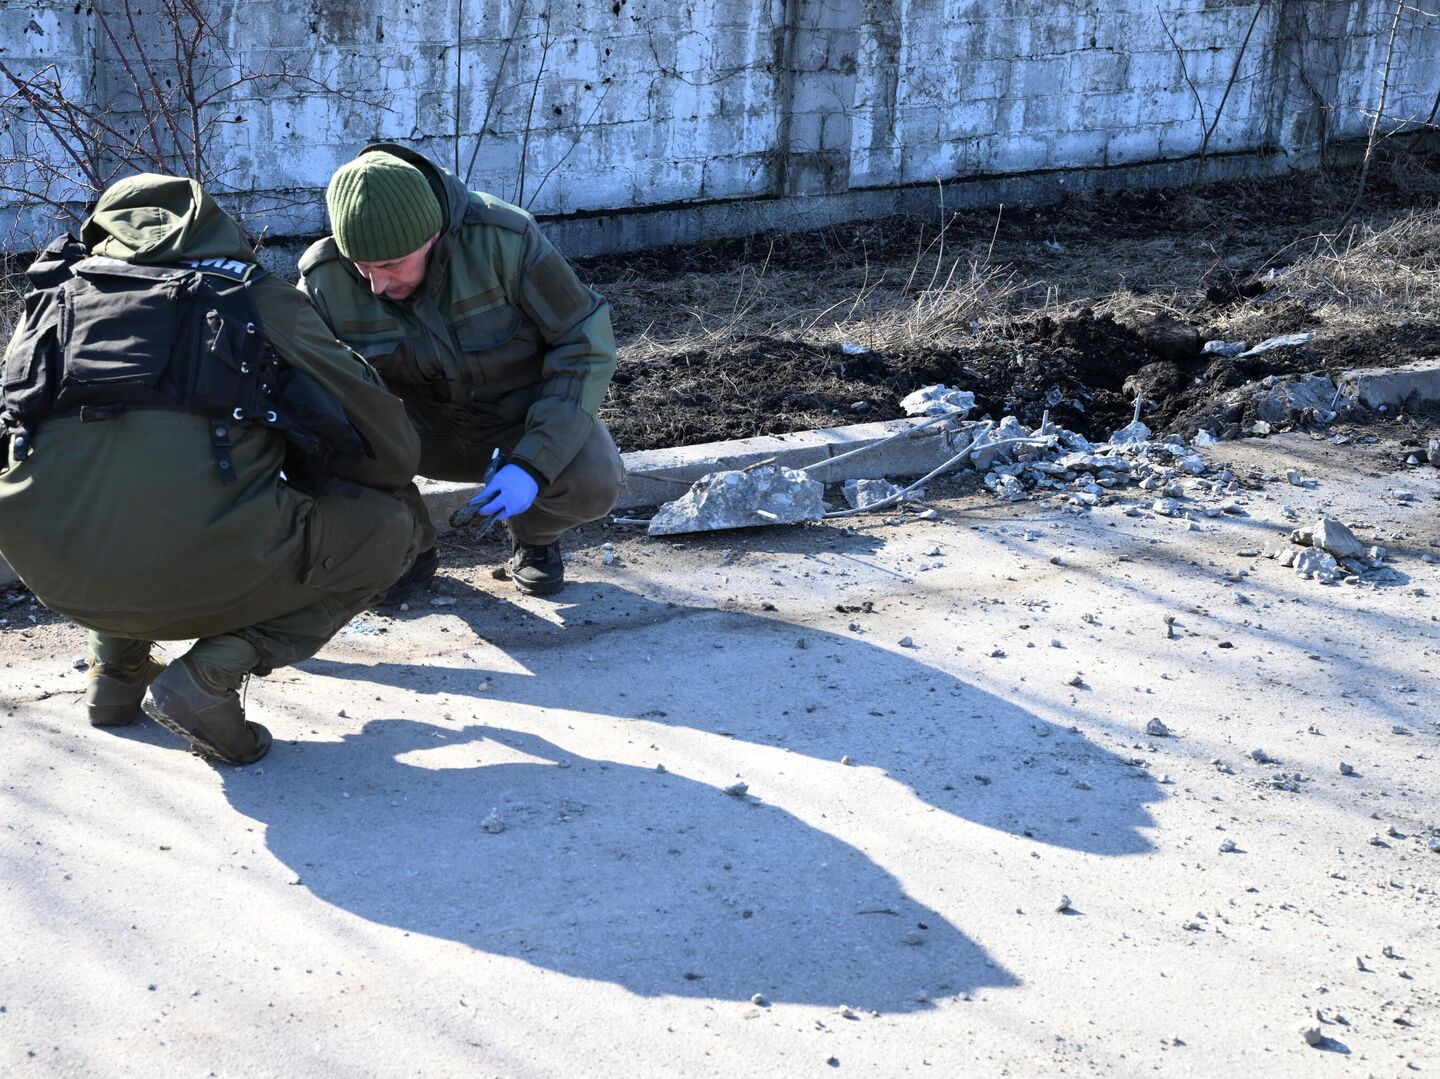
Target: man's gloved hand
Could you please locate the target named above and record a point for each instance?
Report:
(509, 494)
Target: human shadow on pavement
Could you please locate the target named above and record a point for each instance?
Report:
(827, 695)
(648, 880)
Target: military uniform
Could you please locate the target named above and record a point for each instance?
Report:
(501, 346)
(124, 526)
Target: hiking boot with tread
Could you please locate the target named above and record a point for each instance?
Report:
(536, 569)
(112, 695)
(213, 723)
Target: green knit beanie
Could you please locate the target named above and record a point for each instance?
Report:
(381, 208)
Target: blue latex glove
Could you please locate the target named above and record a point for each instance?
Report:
(509, 494)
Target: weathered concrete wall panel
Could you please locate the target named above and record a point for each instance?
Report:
(628, 104)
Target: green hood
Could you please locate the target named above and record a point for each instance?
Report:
(155, 219)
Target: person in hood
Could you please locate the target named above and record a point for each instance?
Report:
(152, 513)
(485, 332)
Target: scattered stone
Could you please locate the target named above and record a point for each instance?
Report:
(1259, 756)
(1376, 841)
(1433, 844)
(1397, 729)
(1165, 507)
(1075, 679)
(1157, 729)
(1062, 904)
(1293, 477)
(1393, 832)
(1388, 952)
(1227, 846)
(760, 1001)
(1347, 769)
(660, 769)
(442, 601)
(907, 642)
(847, 759)
(1312, 1035)
(734, 499)
(493, 823)
(736, 790)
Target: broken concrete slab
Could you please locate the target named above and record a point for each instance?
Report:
(738, 498)
(657, 476)
(1393, 387)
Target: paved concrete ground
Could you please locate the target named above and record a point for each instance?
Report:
(341, 908)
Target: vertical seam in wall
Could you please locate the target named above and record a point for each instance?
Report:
(785, 96)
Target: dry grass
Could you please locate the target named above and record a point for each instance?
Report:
(1390, 270)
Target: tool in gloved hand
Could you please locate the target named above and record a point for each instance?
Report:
(468, 512)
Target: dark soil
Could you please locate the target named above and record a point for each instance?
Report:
(1084, 370)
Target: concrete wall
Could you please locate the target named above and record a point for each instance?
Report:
(596, 109)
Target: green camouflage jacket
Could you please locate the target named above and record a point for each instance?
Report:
(127, 519)
(501, 328)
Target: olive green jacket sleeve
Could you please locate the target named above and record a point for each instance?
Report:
(579, 358)
(303, 340)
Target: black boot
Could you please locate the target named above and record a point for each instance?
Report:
(536, 569)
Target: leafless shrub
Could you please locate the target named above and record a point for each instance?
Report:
(178, 88)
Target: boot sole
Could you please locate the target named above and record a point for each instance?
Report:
(201, 744)
(547, 588)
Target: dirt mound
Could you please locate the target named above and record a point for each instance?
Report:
(1075, 368)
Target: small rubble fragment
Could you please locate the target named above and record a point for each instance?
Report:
(1227, 846)
(1347, 769)
(1156, 729)
(864, 493)
(1062, 904)
(1259, 756)
(493, 823)
(736, 790)
(1312, 1035)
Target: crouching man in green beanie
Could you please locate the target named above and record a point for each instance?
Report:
(484, 331)
(186, 452)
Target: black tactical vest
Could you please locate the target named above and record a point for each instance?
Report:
(102, 335)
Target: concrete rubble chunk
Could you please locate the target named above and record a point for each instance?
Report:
(1286, 399)
(1130, 434)
(1315, 563)
(767, 495)
(939, 400)
(1394, 387)
(1284, 340)
(1223, 348)
(862, 494)
(1330, 535)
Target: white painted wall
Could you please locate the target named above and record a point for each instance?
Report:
(621, 104)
